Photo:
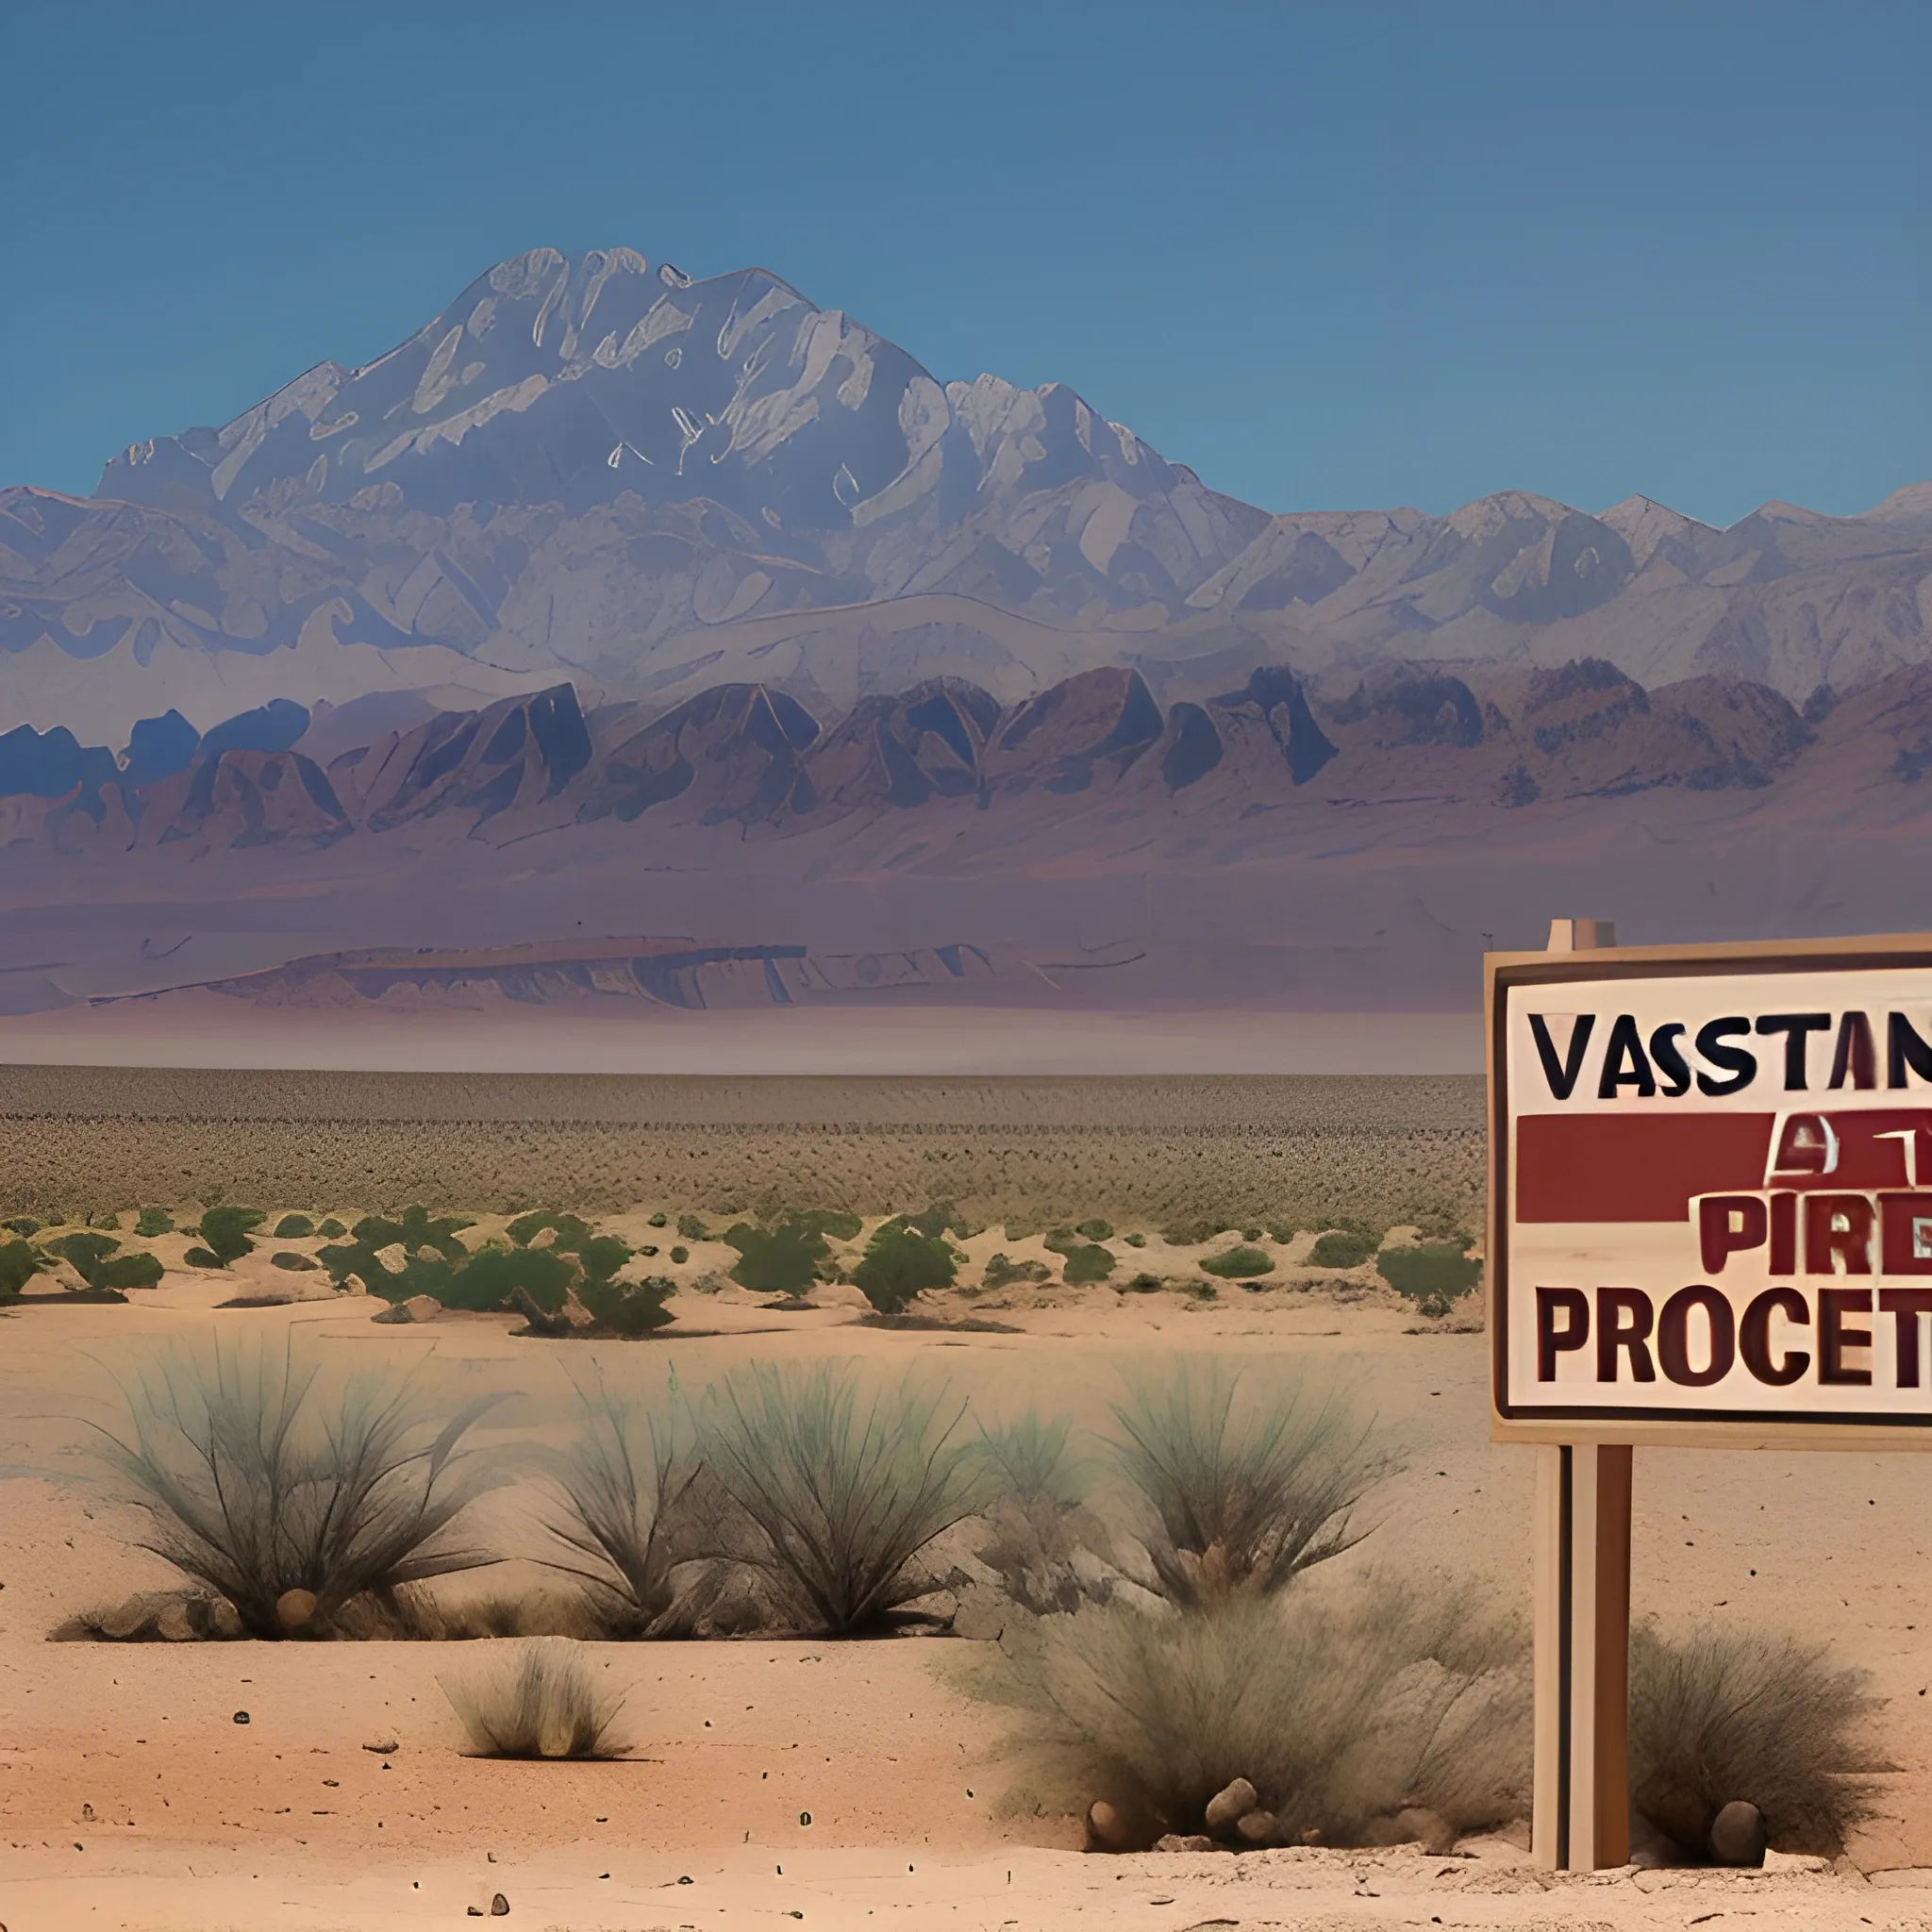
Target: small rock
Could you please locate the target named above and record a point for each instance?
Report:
(1737, 1834)
(175, 1624)
(240, 1716)
(223, 1619)
(499, 1906)
(393, 1259)
(475, 1911)
(384, 1751)
(421, 1308)
(1179, 1841)
(295, 1609)
(1107, 1829)
(981, 1616)
(129, 1621)
(1795, 1861)
(1257, 1828)
(1230, 1804)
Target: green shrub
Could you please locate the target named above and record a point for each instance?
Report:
(1085, 1264)
(692, 1228)
(1059, 1241)
(21, 1224)
(152, 1222)
(660, 1219)
(84, 1253)
(224, 1233)
(19, 1264)
(776, 1260)
(1145, 1284)
(129, 1271)
(1344, 1707)
(293, 1227)
(1027, 1459)
(1432, 1277)
(939, 1220)
(1243, 1495)
(1342, 1248)
(900, 1262)
(602, 1256)
(628, 1307)
(571, 1231)
(679, 1255)
(293, 1263)
(1238, 1264)
(202, 1257)
(331, 1229)
(1719, 1714)
(1000, 1271)
(1135, 1240)
(1094, 1230)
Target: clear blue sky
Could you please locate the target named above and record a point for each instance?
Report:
(1329, 254)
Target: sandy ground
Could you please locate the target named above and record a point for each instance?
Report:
(129, 1797)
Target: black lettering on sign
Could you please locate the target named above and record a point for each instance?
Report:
(1854, 1058)
(1668, 1058)
(1738, 1062)
(1561, 1073)
(1753, 1336)
(1623, 1062)
(1796, 1028)
(1622, 1322)
(1673, 1337)
(1905, 1049)
(1551, 1342)
(1906, 1305)
(1834, 1338)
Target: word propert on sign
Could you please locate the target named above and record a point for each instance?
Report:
(1711, 1191)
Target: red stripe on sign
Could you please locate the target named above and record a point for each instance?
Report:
(1634, 1167)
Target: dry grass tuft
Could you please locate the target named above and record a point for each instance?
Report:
(1347, 1707)
(1718, 1715)
(542, 1702)
(1247, 1485)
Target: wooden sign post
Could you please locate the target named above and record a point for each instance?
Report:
(1710, 1226)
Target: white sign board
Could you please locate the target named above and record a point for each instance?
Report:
(1711, 1191)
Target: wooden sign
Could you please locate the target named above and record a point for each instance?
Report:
(1711, 1194)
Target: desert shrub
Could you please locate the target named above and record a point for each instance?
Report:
(258, 1479)
(293, 1227)
(628, 1307)
(1000, 1271)
(152, 1222)
(1344, 1707)
(330, 1229)
(1722, 1714)
(485, 1281)
(1190, 1234)
(415, 1614)
(1244, 1494)
(293, 1263)
(1238, 1264)
(900, 1262)
(542, 1702)
(21, 1224)
(1135, 1240)
(1095, 1230)
(1432, 1276)
(634, 1510)
(660, 1219)
(679, 1255)
(224, 1233)
(692, 1228)
(841, 1491)
(569, 1229)
(1342, 1248)
(19, 1263)
(1086, 1263)
(1059, 1241)
(776, 1260)
(937, 1222)
(1145, 1284)
(128, 1270)
(1036, 1526)
(1027, 1459)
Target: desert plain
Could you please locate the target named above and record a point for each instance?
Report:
(839, 1783)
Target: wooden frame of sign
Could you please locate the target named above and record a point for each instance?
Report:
(1711, 1226)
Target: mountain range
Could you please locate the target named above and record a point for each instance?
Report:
(710, 616)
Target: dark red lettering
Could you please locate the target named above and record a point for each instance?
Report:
(1906, 1305)
(1834, 1338)
(1784, 1234)
(1838, 1227)
(1905, 1234)
(1728, 1224)
(1673, 1337)
(1551, 1342)
(1753, 1336)
(1622, 1322)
